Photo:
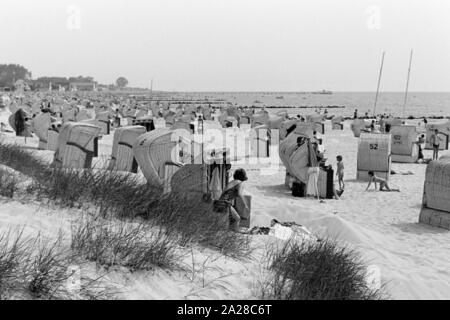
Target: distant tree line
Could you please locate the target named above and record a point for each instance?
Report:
(10, 73)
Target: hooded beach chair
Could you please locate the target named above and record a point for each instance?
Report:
(69, 115)
(19, 122)
(104, 122)
(40, 125)
(374, 154)
(146, 122)
(260, 139)
(77, 145)
(337, 123)
(203, 181)
(358, 126)
(159, 123)
(81, 115)
(317, 120)
(122, 157)
(297, 158)
(154, 149)
(403, 145)
(53, 136)
(436, 194)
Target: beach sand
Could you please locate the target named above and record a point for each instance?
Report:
(412, 258)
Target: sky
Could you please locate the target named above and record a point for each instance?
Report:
(233, 45)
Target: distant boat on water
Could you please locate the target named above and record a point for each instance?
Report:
(279, 97)
(322, 92)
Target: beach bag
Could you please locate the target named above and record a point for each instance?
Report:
(298, 189)
(221, 206)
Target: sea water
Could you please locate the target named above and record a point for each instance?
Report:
(418, 104)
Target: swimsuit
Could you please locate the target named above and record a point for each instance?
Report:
(226, 199)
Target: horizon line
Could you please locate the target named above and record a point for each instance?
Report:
(274, 91)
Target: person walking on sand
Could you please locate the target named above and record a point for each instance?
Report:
(384, 186)
(340, 172)
(435, 142)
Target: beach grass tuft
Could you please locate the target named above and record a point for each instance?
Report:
(321, 270)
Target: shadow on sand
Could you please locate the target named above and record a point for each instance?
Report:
(275, 190)
(419, 228)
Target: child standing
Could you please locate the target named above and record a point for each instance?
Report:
(340, 172)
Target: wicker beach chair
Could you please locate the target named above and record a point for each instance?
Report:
(337, 123)
(77, 145)
(104, 122)
(374, 154)
(122, 157)
(436, 194)
(40, 125)
(403, 145)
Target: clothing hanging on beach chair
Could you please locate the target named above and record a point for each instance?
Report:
(216, 184)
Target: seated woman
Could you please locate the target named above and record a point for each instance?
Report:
(229, 194)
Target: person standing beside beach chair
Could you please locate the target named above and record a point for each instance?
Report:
(420, 143)
(435, 142)
(340, 172)
(232, 191)
(372, 126)
(382, 123)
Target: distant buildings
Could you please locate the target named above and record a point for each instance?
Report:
(83, 86)
(68, 84)
(54, 83)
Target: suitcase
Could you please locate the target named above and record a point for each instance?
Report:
(325, 183)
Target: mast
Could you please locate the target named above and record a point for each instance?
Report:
(407, 84)
(378, 86)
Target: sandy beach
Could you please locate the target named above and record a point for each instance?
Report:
(411, 258)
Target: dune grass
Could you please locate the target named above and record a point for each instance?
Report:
(136, 246)
(8, 183)
(317, 271)
(46, 272)
(119, 195)
(34, 267)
